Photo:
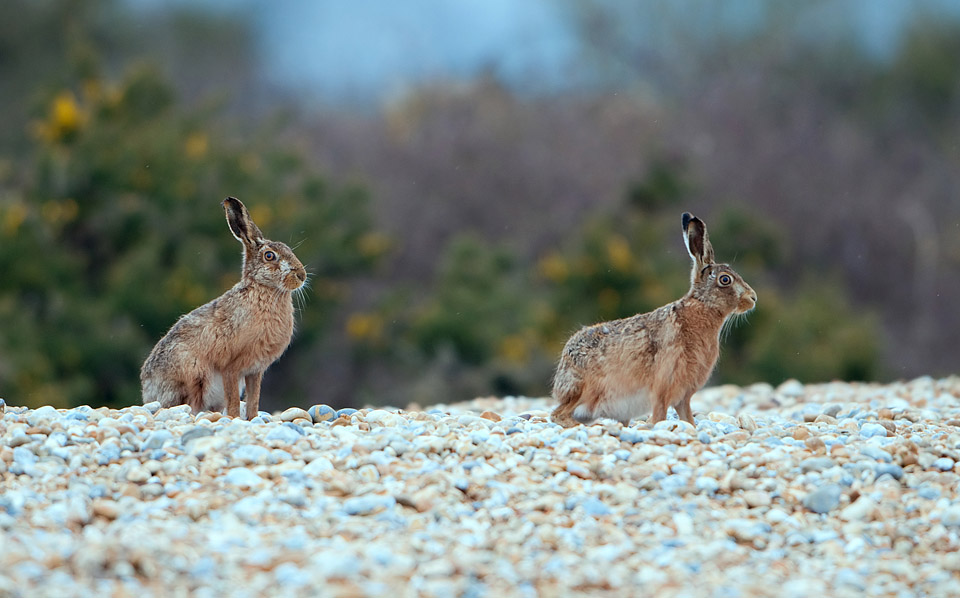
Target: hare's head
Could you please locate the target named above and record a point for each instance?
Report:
(716, 285)
(270, 263)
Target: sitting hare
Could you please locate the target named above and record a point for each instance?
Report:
(624, 368)
(213, 350)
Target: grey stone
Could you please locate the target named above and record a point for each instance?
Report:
(594, 507)
(157, 439)
(816, 464)
(633, 436)
(366, 505)
(823, 500)
(895, 471)
(876, 453)
(195, 433)
(832, 410)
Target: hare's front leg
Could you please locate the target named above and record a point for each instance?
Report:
(683, 409)
(253, 394)
(231, 392)
(659, 413)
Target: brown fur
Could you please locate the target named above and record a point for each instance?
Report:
(200, 362)
(626, 368)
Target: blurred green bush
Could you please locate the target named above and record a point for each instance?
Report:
(112, 228)
(492, 324)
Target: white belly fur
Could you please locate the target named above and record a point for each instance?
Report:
(214, 398)
(622, 409)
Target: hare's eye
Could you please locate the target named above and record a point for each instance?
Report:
(269, 256)
(724, 280)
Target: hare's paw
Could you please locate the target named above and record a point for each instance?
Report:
(562, 416)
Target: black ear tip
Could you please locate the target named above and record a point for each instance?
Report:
(231, 203)
(686, 218)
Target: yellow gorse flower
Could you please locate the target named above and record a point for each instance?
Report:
(373, 244)
(196, 145)
(58, 212)
(618, 251)
(65, 118)
(66, 113)
(515, 348)
(553, 267)
(12, 217)
(262, 214)
(364, 326)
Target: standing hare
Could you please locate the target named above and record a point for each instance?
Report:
(624, 368)
(211, 351)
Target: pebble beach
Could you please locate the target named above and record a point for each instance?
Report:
(797, 490)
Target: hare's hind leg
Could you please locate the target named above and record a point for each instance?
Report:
(567, 390)
(193, 393)
(563, 415)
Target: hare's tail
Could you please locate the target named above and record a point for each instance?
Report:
(567, 389)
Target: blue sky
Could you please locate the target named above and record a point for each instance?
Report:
(369, 51)
(363, 48)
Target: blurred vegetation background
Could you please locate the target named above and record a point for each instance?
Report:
(458, 230)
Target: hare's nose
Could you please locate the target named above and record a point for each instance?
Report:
(301, 275)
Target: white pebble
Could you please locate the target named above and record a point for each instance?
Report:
(294, 413)
(944, 464)
(869, 430)
(383, 418)
(951, 516)
(138, 474)
(241, 476)
(859, 510)
(447, 503)
(747, 422)
(366, 505)
(318, 466)
(283, 434)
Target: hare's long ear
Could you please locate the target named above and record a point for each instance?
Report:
(240, 223)
(698, 244)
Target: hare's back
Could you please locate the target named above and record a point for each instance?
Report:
(593, 343)
(585, 344)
